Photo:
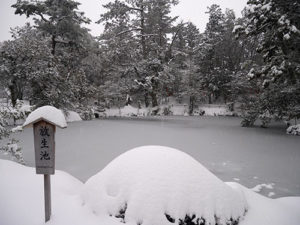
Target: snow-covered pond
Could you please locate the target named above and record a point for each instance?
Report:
(250, 156)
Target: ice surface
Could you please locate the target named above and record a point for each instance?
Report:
(151, 181)
(254, 155)
(48, 113)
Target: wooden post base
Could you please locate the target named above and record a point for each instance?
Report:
(47, 195)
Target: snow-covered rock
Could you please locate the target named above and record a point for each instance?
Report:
(294, 130)
(160, 185)
(49, 114)
(73, 117)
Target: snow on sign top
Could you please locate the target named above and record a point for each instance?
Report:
(160, 185)
(49, 114)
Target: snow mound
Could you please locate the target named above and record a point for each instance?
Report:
(160, 185)
(294, 130)
(21, 189)
(48, 113)
(73, 116)
(129, 111)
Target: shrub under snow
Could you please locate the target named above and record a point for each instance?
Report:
(294, 130)
(72, 116)
(159, 185)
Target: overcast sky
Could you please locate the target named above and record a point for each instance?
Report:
(188, 10)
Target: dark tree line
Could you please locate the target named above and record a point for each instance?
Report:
(149, 55)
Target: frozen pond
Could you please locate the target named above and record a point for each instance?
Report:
(250, 156)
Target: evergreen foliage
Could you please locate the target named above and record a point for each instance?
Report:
(146, 55)
(276, 25)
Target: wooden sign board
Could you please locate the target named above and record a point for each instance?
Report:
(44, 145)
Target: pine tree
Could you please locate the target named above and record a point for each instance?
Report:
(276, 24)
(58, 22)
(141, 28)
(212, 75)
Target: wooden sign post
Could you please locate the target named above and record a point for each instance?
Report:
(44, 145)
(45, 120)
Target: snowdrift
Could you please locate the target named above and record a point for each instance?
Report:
(72, 117)
(160, 185)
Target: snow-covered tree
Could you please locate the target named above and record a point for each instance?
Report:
(59, 79)
(276, 24)
(58, 19)
(135, 40)
(215, 77)
(184, 57)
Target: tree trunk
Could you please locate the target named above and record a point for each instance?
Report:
(15, 92)
(154, 99)
(13, 95)
(143, 41)
(209, 99)
(53, 45)
(192, 105)
(146, 96)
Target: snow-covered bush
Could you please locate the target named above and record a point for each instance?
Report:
(3, 131)
(167, 111)
(72, 116)
(14, 150)
(159, 185)
(11, 146)
(87, 114)
(13, 114)
(294, 130)
(155, 111)
(265, 119)
(249, 118)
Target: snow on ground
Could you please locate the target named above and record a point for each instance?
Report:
(215, 110)
(21, 198)
(48, 113)
(152, 183)
(174, 109)
(294, 130)
(73, 116)
(127, 111)
(22, 189)
(179, 110)
(265, 211)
